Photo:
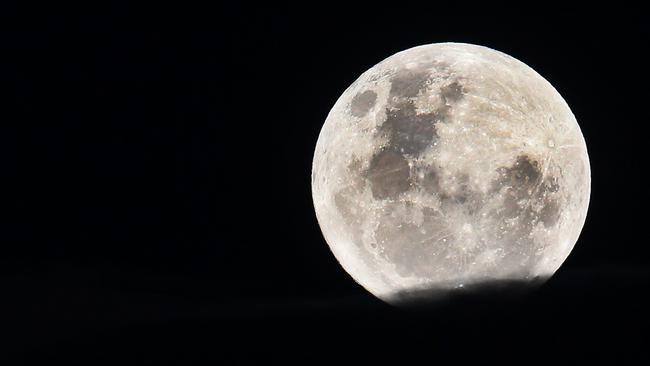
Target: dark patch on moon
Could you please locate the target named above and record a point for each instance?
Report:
(430, 181)
(550, 213)
(452, 92)
(408, 131)
(551, 184)
(388, 174)
(528, 198)
(362, 103)
(522, 176)
(407, 83)
(519, 182)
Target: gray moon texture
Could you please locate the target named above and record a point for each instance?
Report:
(447, 166)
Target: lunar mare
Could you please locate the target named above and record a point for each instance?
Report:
(448, 165)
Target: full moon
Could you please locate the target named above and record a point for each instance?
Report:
(448, 166)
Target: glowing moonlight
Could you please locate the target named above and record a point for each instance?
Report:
(446, 166)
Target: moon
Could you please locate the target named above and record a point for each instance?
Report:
(448, 166)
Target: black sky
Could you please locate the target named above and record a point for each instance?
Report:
(156, 186)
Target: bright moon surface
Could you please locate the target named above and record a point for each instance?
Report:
(446, 166)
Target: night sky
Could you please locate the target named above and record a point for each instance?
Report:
(156, 200)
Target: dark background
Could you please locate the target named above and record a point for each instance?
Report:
(156, 203)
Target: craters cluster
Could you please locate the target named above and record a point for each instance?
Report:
(465, 220)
